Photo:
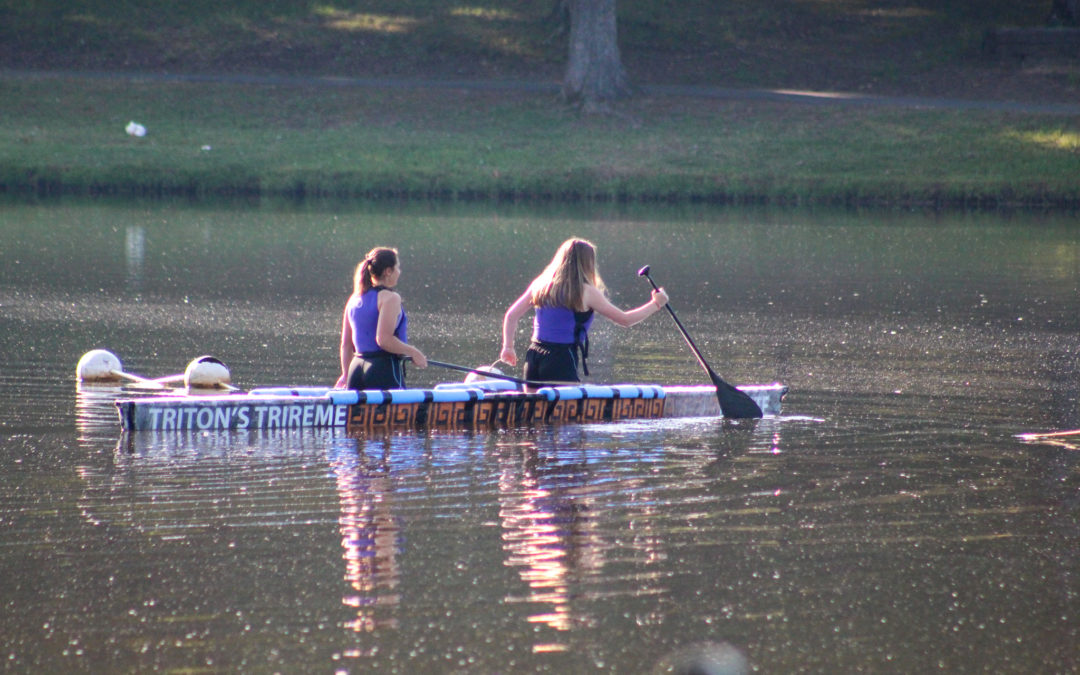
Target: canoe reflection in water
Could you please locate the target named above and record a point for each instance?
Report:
(231, 510)
(261, 515)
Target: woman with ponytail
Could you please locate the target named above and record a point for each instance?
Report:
(565, 296)
(374, 341)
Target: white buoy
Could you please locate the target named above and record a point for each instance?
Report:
(99, 365)
(207, 372)
(477, 377)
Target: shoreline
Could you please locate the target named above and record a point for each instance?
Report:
(1006, 200)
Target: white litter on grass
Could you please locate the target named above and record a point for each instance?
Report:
(135, 129)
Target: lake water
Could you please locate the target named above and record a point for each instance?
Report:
(889, 522)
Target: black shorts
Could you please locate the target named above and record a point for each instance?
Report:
(551, 362)
(377, 371)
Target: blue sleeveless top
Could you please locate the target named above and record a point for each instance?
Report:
(564, 326)
(363, 313)
(559, 325)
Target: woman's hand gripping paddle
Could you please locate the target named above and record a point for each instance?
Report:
(733, 403)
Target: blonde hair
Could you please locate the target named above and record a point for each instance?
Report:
(374, 264)
(562, 283)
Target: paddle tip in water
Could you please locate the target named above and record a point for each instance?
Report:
(741, 408)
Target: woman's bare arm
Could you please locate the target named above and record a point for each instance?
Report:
(510, 323)
(389, 311)
(596, 301)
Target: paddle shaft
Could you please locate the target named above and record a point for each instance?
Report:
(733, 403)
(497, 376)
(685, 334)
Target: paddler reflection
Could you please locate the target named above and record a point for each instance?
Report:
(550, 519)
(369, 533)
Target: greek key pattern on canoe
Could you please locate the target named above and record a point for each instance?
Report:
(510, 411)
(507, 411)
(398, 415)
(450, 415)
(455, 415)
(633, 408)
(444, 415)
(606, 409)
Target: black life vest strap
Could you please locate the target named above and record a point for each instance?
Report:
(582, 345)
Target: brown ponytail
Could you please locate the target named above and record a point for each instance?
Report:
(373, 266)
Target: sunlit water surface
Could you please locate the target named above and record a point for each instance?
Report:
(889, 521)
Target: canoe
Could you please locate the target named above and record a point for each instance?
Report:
(452, 406)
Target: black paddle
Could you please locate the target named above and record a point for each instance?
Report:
(498, 376)
(733, 403)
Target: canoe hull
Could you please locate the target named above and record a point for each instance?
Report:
(451, 408)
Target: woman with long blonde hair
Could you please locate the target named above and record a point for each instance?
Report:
(565, 297)
(374, 328)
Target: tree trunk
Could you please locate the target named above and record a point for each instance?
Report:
(595, 77)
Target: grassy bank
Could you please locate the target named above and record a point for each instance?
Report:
(66, 135)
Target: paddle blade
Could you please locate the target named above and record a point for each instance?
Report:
(735, 404)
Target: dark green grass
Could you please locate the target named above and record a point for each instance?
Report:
(807, 43)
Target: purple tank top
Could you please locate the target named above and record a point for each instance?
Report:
(557, 324)
(363, 313)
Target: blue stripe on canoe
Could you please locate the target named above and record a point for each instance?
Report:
(290, 391)
(574, 393)
(484, 385)
(460, 392)
(343, 396)
(406, 396)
